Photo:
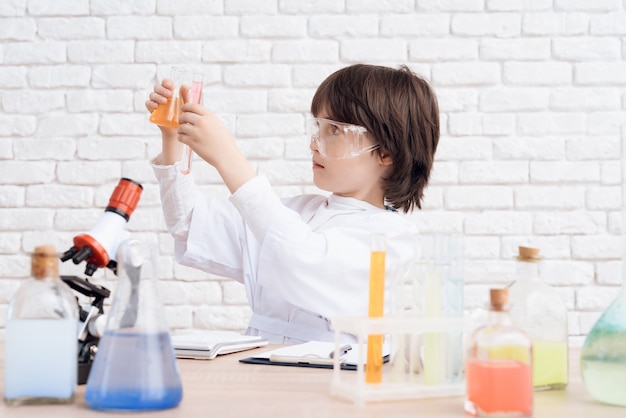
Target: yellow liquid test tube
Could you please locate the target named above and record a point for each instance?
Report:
(374, 365)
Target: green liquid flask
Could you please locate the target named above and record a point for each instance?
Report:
(603, 357)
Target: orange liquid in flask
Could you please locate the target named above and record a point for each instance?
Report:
(167, 114)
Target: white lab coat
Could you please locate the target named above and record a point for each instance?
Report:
(302, 260)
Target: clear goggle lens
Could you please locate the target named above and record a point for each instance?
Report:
(339, 140)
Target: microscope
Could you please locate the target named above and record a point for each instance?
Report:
(98, 248)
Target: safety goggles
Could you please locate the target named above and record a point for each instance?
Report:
(338, 140)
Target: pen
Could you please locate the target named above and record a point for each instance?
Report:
(342, 350)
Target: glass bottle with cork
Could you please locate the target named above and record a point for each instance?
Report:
(538, 308)
(41, 356)
(499, 365)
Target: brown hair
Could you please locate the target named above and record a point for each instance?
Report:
(400, 112)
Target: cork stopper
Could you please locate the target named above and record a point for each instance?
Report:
(44, 262)
(528, 254)
(498, 298)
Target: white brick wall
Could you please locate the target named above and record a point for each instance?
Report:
(532, 96)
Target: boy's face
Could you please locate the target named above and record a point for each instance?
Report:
(358, 177)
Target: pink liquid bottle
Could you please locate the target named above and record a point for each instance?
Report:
(499, 365)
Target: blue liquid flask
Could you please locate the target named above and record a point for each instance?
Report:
(135, 368)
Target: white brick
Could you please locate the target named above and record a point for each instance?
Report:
(549, 23)
(531, 148)
(46, 148)
(595, 298)
(308, 7)
(305, 51)
(429, 221)
(124, 7)
(263, 148)
(17, 125)
(66, 125)
(234, 293)
(604, 198)
(34, 53)
(273, 26)
(552, 247)
(88, 172)
(493, 172)
(116, 148)
(99, 101)
(464, 148)
(444, 173)
(564, 171)
(592, 148)
(58, 8)
(13, 8)
(139, 27)
(242, 7)
(125, 124)
(235, 50)
(597, 247)
(587, 320)
(191, 293)
(475, 123)
(122, 76)
(433, 197)
(443, 50)
(549, 197)
(381, 6)
(168, 51)
(515, 49)
(343, 26)
(489, 272)
(57, 196)
(554, 223)
(457, 99)
(611, 172)
(12, 77)
(20, 219)
(513, 99)
(550, 123)
(51, 76)
(414, 25)
(290, 100)
(605, 123)
(584, 5)
(270, 124)
(585, 48)
(26, 172)
(222, 317)
(373, 50)
(584, 99)
(478, 197)
(286, 172)
(257, 75)
(312, 75)
(537, 74)
(32, 101)
(450, 5)
(466, 74)
(71, 28)
(18, 29)
(179, 316)
(202, 27)
(518, 5)
(486, 24)
(608, 24)
(10, 242)
(594, 73)
(238, 101)
(187, 7)
(100, 51)
(615, 223)
(609, 272)
(498, 223)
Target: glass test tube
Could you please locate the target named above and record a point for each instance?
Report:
(196, 97)
(374, 365)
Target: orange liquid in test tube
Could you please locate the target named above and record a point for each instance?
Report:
(374, 365)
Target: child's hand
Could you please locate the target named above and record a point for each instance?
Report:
(205, 133)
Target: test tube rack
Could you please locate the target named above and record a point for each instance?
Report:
(409, 373)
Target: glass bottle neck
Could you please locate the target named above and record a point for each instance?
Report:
(498, 317)
(527, 270)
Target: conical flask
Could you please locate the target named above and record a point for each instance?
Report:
(603, 357)
(135, 367)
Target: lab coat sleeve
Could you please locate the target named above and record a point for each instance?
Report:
(324, 271)
(209, 234)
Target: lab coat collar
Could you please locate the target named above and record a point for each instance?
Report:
(335, 202)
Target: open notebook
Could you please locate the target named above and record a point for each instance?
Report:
(313, 354)
(208, 345)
